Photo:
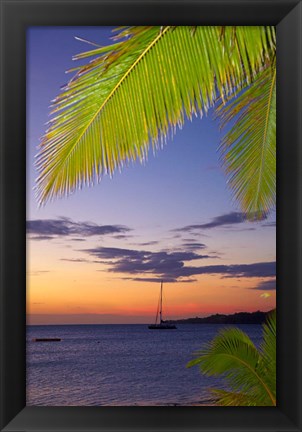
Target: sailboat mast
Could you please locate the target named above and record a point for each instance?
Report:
(161, 302)
(161, 325)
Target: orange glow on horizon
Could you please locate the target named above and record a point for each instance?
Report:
(82, 293)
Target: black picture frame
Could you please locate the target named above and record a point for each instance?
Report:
(16, 17)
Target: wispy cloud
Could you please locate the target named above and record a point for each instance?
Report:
(193, 246)
(265, 269)
(159, 279)
(228, 219)
(121, 236)
(41, 237)
(37, 272)
(267, 285)
(269, 224)
(47, 229)
(149, 243)
(76, 260)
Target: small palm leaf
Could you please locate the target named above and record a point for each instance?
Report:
(227, 398)
(139, 89)
(249, 148)
(268, 352)
(232, 354)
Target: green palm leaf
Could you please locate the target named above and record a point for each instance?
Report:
(249, 372)
(249, 148)
(137, 91)
(268, 352)
(227, 398)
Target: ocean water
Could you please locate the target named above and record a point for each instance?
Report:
(119, 365)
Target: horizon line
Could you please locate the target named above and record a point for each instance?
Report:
(28, 324)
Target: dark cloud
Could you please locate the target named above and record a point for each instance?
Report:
(267, 285)
(171, 266)
(158, 279)
(264, 269)
(223, 220)
(40, 237)
(47, 229)
(150, 243)
(194, 246)
(144, 256)
(136, 261)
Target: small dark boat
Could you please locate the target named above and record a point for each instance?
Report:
(47, 340)
(161, 325)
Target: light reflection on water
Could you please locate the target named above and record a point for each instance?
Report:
(119, 365)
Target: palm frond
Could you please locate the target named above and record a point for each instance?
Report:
(249, 148)
(137, 91)
(228, 398)
(234, 355)
(268, 352)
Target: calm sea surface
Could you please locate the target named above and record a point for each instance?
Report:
(119, 365)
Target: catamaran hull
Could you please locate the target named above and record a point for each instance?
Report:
(162, 327)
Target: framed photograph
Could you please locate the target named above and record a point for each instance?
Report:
(150, 218)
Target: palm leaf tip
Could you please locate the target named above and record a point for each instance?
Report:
(249, 148)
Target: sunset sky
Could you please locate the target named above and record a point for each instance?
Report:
(98, 256)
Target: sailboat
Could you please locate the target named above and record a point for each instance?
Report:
(161, 325)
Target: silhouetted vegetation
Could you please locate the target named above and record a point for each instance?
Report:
(236, 318)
